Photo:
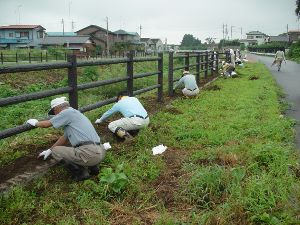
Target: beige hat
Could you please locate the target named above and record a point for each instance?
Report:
(55, 102)
(185, 72)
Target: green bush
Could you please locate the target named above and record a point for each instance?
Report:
(91, 73)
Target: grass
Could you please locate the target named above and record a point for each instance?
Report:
(230, 160)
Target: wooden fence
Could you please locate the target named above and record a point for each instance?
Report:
(204, 62)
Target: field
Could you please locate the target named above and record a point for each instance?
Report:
(230, 160)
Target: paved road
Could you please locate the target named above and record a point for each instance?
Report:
(289, 79)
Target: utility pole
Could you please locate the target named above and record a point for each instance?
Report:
(226, 31)
(231, 31)
(107, 39)
(73, 25)
(19, 6)
(63, 23)
(223, 31)
(241, 33)
(140, 27)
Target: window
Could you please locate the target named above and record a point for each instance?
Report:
(250, 37)
(11, 35)
(24, 34)
(258, 36)
(18, 35)
(40, 34)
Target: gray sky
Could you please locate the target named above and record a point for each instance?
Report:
(159, 18)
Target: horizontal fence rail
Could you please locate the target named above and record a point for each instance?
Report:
(73, 88)
(205, 61)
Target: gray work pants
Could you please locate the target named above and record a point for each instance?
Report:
(85, 155)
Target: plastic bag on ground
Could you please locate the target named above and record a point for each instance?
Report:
(158, 149)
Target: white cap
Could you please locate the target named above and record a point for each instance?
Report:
(55, 102)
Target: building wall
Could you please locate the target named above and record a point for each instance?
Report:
(261, 39)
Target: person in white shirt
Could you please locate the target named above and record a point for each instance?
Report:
(190, 85)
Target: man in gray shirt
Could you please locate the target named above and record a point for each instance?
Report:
(190, 85)
(86, 151)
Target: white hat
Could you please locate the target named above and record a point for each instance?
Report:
(55, 102)
(185, 72)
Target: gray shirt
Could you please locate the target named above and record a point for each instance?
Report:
(77, 127)
(189, 81)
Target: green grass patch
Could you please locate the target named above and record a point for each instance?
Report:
(230, 160)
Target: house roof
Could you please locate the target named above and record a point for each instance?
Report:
(279, 38)
(294, 31)
(95, 27)
(61, 34)
(123, 32)
(14, 41)
(255, 33)
(155, 40)
(145, 39)
(21, 27)
(61, 40)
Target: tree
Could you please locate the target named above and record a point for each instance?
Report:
(189, 40)
(297, 11)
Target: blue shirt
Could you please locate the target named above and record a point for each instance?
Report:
(77, 127)
(127, 106)
(189, 81)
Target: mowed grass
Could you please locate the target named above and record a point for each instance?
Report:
(230, 160)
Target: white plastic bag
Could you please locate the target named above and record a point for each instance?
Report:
(159, 149)
(106, 145)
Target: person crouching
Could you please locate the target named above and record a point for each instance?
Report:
(135, 116)
(190, 85)
(86, 152)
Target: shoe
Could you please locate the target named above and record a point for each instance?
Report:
(94, 170)
(128, 138)
(78, 172)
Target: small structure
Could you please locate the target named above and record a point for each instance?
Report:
(294, 35)
(158, 45)
(21, 36)
(79, 43)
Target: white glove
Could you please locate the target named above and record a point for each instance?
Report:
(32, 122)
(98, 121)
(45, 153)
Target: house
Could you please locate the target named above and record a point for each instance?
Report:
(21, 36)
(283, 38)
(294, 35)
(79, 43)
(148, 44)
(98, 36)
(158, 45)
(124, 36)
(254, 38)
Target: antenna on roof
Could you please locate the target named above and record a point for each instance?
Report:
(19, 6)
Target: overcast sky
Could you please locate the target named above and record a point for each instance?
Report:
(159, 18)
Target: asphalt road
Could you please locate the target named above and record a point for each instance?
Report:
(289, 79)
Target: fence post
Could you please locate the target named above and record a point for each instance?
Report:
(212, 58)
(170, 76)
(41, 56)
(56, 56)
(201, 62)
(130, 73)
(217, 63)
(206, 64)
(187, 61)
(46, 56)
(65, 56)
(72, 81)
(160, 67)
(16, 57)
(2, 60)
(29, 57)
(198, 68)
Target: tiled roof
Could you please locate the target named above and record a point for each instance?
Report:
(21, 27)
(61, 40)
(123, 32)
(60, 34)
(94, 26)
(255, 33)
(279, 38)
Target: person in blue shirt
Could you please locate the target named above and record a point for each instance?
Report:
(190, 85)
(135, 116)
